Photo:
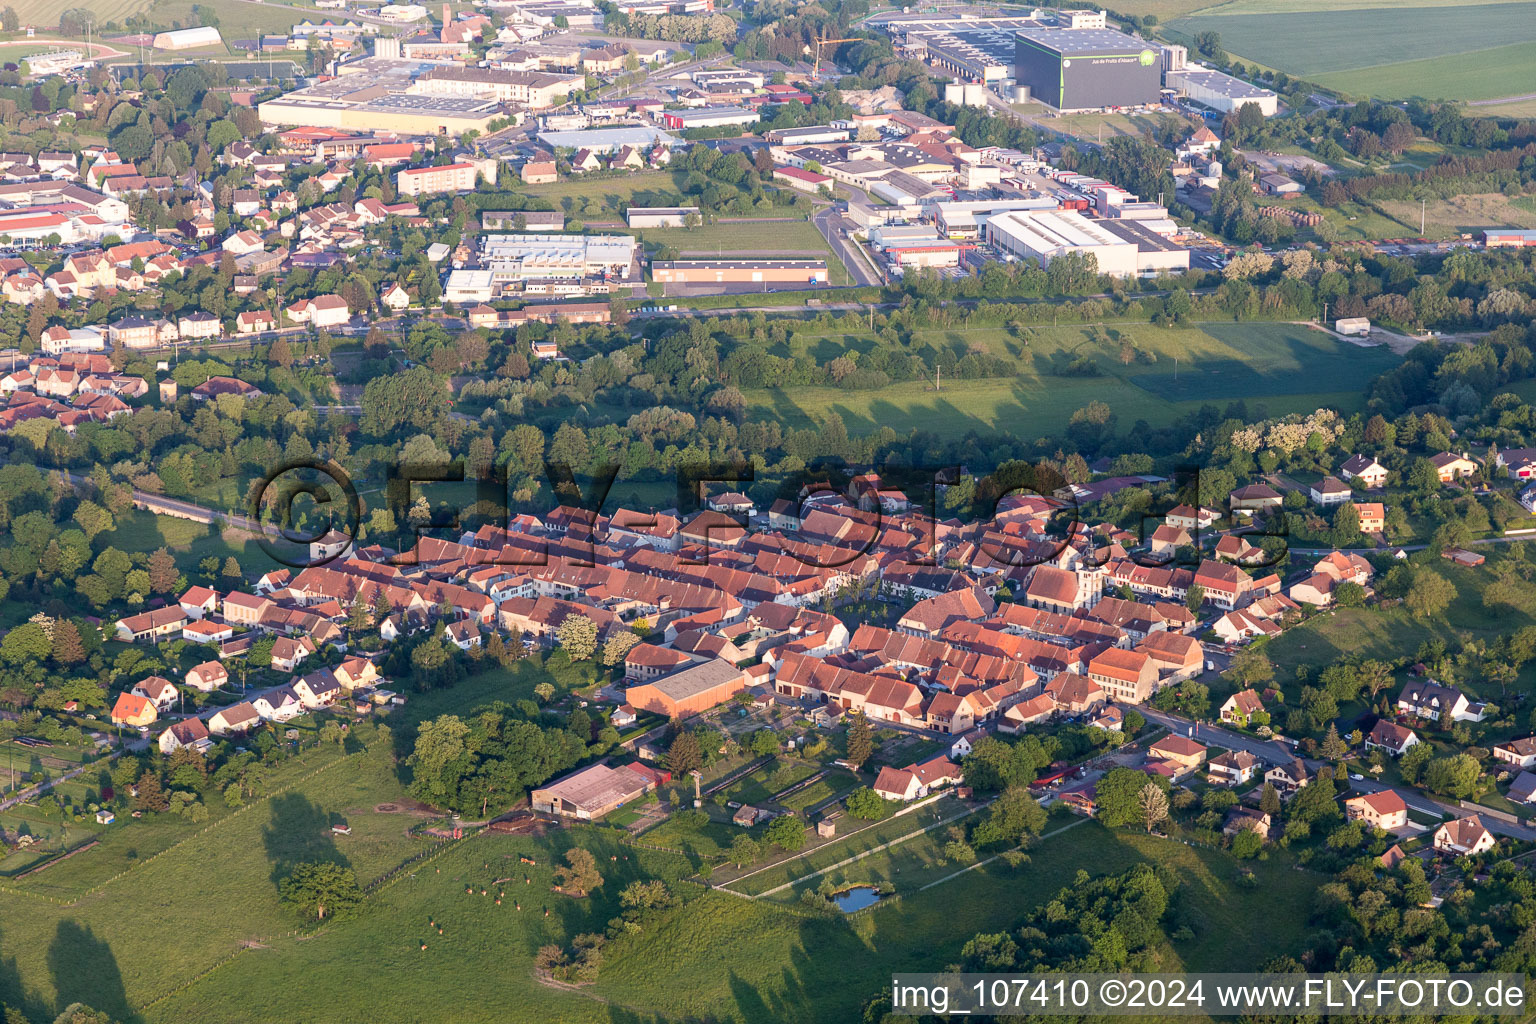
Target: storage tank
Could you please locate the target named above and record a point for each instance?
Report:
(1021, 94)
(975, 95)
(954, 93)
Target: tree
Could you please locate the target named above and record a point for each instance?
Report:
(1119, 795)
(765, 742)
(684, 755)
(1152, 802)
(1194, 598)
(1269, 799)
(321, 889)
(163, 573)
(68, 647)
(9, 20)
(93, 519)
(579, 872)
(1246, 844)
(865, 803)
(744, 850)
(1430, 593)
(578, 637)
(1454, 776)
(1251, 667)
(786, 833)
(1333, 746)
(861, 741)
(1015, 818)
(617, 646)
(151, 797)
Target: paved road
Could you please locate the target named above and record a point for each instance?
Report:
(1429, 805)
(1271, 752)
(832, 224)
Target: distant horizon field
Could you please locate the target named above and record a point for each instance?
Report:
(1380, 50)
(1265, 364)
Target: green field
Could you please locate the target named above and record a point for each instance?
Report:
(719, 957)
(1274, 365)
(1386, 51)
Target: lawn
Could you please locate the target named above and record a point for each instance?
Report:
(1278, 366)
(190, 542)
(1382, 51)
(772, 778)
(238, 19)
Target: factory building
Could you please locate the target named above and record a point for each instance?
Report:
(1221, 91)
(1122, 248)
(536, 90)
(1086, 69)
(374, 94)
(764, 272)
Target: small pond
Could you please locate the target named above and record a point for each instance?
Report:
(856, 898)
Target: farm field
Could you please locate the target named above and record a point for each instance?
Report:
(1380, 51)
(238, 19)
(1262, 364)
(1479, 75)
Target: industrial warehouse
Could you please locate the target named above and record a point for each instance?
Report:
(1085, 69)
(376, 94)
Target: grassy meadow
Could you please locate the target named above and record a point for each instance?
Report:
(718, 957)
(1276, 366)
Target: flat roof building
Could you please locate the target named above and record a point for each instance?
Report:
(1220, 91)
(1043, 235)
(690, 690)
(374, 94)
(1085, 69)
(740, 271)
(607, 141)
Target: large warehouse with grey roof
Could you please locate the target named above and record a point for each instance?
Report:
(1087, 68)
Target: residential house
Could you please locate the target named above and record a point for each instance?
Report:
(1464, 837)
(133, 710)
(1240, 708)
(1450, 466)
(1180, 750)
(190, 732)
(1249, 819)
(199, 601)
(279, 704)
(235, 719)
(208, 676)
(1231, 768)
(1364, 468)
(1523, 789)
(1390, 737)
(1330, 491)
(1255, 498)
(1521, 752)
(1288, 778)
(1384, 810)
(153, 626)
(1425, 698)
(159, 691)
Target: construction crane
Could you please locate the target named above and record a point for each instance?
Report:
(816, 68)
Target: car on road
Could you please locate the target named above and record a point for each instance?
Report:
(1356, 778)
